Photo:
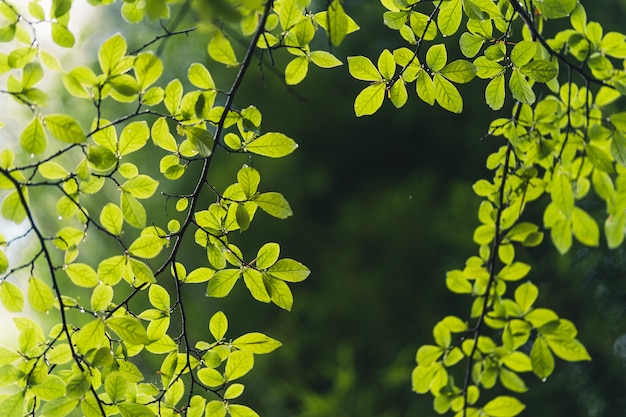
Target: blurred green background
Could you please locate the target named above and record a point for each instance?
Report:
(383, 208)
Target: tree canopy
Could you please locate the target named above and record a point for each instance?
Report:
(131, 170)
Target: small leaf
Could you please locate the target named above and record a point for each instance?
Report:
(504, 406)
(133, 137)
(40, 295)
(129, 330)
(238, 364)
(274, 204)
(363, 69)
(337, 23)
(447, 95)
(289, 270)
(218, 325)
(296, 70)
(541, 358)
(11, 297)
(64, 128)
(146, 246)
(568, 349)
(272, 144)
(112, 219)
(82, 275)
(369, 100)
(222, 283)
(33, 138)
(221, 50)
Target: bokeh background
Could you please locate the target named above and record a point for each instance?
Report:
(383, 208)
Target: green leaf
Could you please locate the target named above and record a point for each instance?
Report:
(525, 296)
(101, 297)
(447, 95)
(50, 388)
(585, 228)
(134, 213)
(59, 407)
(267, 255)
(112, 219)
(296, 70)
(148, 68)
(146, 246)
(238, 364)
(200, 76)
(134, 410)
(199, 275)
(520, 88)
(218, 325)
(618, 147)
(337, 23)
(128, 329)
(201, 139)
(514, 271)
(11, 297)
(540, 70)
(425, 88)
(613, 228)
(62, 36)
(272, 144)
(237, 410)
(495, 92)
(370, 99)
(386, 64)
(133, 137)
(470, 44)
(459, 71)
(162, 137)
(221, 50)
(568, 349)
(222, 283)
(52, 170)
(115, 386)
(110, 270)
(363, 69)
(541, 358)
(64, 128)
(211, 377)
(13, 405)
(273, 204)
(279, 292)
(449, 18)
(289, 270)
(82, 275)
(233, 391)
(256, 343)
(436, 57)
(12, 208)
(324, 59)
(503, 406)
(398, 94)
(90, 336)
(40, 295)
(33, 138)
(562, 194)
(141, 271)
(554, 9)
(111, 53)
(523, 52)
(428, 354)
(159, 297)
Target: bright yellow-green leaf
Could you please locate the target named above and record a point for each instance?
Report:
(218, 325)
(111, 53)
(134, 410)
(296, 70)
(254, 281)
(82, 275)
(425, 88)
(11, 297)
(256, 343)
(370, 99)
(520, 88)
(110, 270)
(585, 228)
(133, 137)
(141, 271)
(289, 270)
(363, 69)
(128, 329)
(50, 388)
(199, 275)
(495, 92)
(33, 138)
(337, 22)
(159, 297)
(112, 219)
(134, 212)
(64, 128)
(101, 297)
(161, 135)
(447, 95)
(90, 336)
(52, 170)
(148, 68)
(221, 50)
(280, 292)
(525, 296)
(238, 364)
(436, 57)
(272, 144)
(503, 406)
(541, 358)
(210, 377)
(324, 59)
(449, 17)
(568, 349)
(62, 36)
(222, 282)
(12, 405)
(237, 410)
(40, 295)
(115, 385)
